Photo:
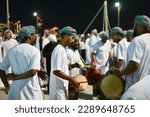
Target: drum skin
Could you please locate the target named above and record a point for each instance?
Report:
(93, 76)
(83, 82)
(112, 86)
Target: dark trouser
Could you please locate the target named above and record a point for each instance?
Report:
(73, 93)
(96, 88)
(112, 63)
(48, 67)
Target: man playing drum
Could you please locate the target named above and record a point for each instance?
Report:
(75, 63)
(138, 57)
(100, 59)
(117, 35)
(59, 77)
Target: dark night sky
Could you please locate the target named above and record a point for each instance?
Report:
(76, 13)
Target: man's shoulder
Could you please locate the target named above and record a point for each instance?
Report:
(124, 40)
(13, 40)
(98, 43)
(59, 48)
(137, 40)
(28, 47)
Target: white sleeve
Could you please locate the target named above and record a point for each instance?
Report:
(94, 48)
(58, 59)
(137, 51)
(110, 50)
(35, 62)
(5, 63)
(120, 52)
(128, 96)
(68, 56)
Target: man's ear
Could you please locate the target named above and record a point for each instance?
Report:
(30, 38)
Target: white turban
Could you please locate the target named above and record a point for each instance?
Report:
(52, 37)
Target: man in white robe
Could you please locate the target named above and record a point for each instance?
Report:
(100, 59)
(117, 35)
(24, 60)
(88, 50)
(6, 44)
(75, 63)
(59, 77)
(138, 57)
(138, 91)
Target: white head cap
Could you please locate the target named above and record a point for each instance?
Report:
(52, 37)
(94, 31)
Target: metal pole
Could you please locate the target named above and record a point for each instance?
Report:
(93, 19)
(8, 15)
(118, 15)
(105, 17)
(37, 24)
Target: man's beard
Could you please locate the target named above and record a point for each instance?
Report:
(73, 47)
(135, 33)
(33, 43)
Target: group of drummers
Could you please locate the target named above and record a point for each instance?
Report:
(116, 64)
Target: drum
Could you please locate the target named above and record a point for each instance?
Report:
(83, 82)
(93, 76)
(85, 69)
(73, 93)
(112, 86)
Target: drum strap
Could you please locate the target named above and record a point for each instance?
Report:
(106, 63)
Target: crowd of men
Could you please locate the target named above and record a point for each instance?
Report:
(63, 54)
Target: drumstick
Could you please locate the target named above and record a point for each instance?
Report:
(83, 82)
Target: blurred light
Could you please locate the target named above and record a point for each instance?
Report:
(117, 4)
(35, 14)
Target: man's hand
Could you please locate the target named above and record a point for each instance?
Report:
(75, 83)
(10, 76)
(93, 65)
(77, 65)
(43, 75)
(7, 90)
(114, 71)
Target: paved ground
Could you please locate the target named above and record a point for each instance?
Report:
(84, 95)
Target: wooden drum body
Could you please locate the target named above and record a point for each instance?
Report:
(83, 82)
(93, 76)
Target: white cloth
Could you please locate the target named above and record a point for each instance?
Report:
(52, 37)
(23, 58)
(138, 91)
(82, 45)
(74, 57)
(45, 41)
(138, 51)
(102, 51)
(122, 48)
(37, 44)
(58, 86)
(88, 51)
(98, 38)
(0, 50)
(114, 50)
(93, 40)
(6, 45)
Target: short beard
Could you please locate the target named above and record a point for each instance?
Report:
(33, 43)
(73, 47)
